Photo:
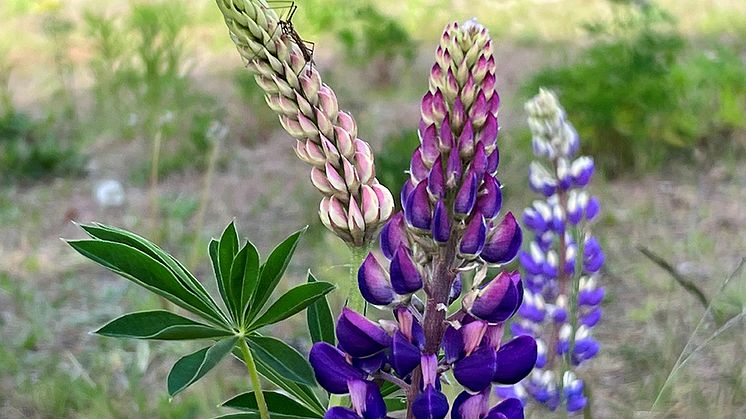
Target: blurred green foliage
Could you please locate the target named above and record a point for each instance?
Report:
(641, 93)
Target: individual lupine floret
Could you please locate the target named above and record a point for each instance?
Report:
(355, 204)
(561, 305)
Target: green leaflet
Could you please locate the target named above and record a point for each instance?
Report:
(292, 302)
(192, 367)
(277, 403)
(160, 325)
(320, 320)
(282, 358)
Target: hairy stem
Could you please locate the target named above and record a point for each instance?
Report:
(255, 383)
(353, 299)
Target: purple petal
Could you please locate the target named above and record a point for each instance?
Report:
(417, 168)
(511, 408)
(370, 364)
(405, 277)
(488, 134)
(435, 182)
(591, 318)
(393, 234)
(473, 240)
(470, 406)
(429, 141)
(499, 299)
(359, 336)
(592, 208)
(505, 241)
(490, 198)
(475, 371)
(373, 281)
(493, 160)
(453, 345)
(340, 413)
(515, 360)
(466, 141)
(366, 398)
(405, 357)
(430, 404)
(455, 289)
(417, 210)
(446, 137)
(406, 190)
(453, 170)
(466, 196)
(479, 160)
(331, 368)
(441, 227)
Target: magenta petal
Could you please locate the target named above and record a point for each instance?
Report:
(417, 209)
(515, 360)
(373, 282)
(505, 241)
(475, 372)
(331, 368)
(405, 277)
(359, 336)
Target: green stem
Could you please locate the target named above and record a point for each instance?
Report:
(354, 300)
(255, 383)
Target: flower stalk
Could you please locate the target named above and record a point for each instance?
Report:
(256, 383)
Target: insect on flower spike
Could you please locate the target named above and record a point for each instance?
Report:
(288, 29)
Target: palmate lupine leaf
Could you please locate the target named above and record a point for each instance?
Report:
(277, 403)
(226, 252)
(159, 325)
(320, 319)
(192, 367)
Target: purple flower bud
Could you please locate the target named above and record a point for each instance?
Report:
(331, 368)
(515, 360)
(479, 160)
(488, 135)
(466, 197)
(374, 283)
(393, 235)
(359, 336)
(475, 371)
(453, 345)
(499, 299)
(439, 105)
(406, 190)
(592, 208)
(405, 356)
(581, 171)
(479, 109)
(458, 114)
(591, 297)
(593, 256)
(429, 141)
(417, 168)
(441, 228)
(446, 137)
(417, 209)
(490, 198)
(494, 104)
(504, 242)
(475, 234)
(426, 107)
(592, 317)
(453, 170)
(455, 289)
(493, 160)
(430, 404)
(509, 408)
(435, 182)
(466, 141)
(405, 277)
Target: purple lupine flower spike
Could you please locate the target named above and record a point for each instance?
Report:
(561, 305)
(450, 224)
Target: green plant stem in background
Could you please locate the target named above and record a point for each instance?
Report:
(153, 221)
(203, 202)
(579, 235)
(353, 299)
(255, 383)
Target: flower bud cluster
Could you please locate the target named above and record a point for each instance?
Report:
(449, 224)
(355, 204)
(549, 262)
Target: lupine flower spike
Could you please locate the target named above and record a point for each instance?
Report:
(450, 223)
(355, 204)
(561, 306)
